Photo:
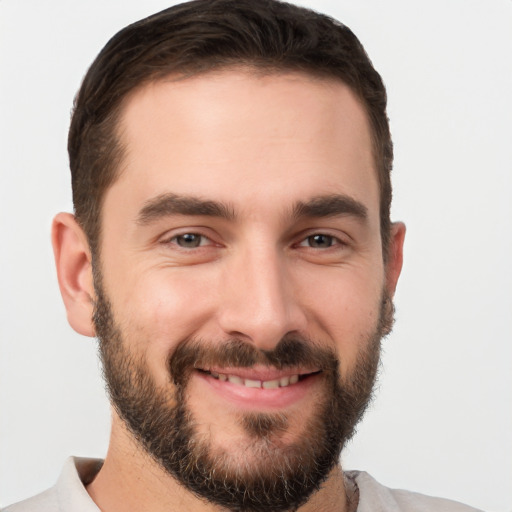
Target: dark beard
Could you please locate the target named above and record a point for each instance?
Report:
(283, 476)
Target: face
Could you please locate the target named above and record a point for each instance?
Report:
(241, 290)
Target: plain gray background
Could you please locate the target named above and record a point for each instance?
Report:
(442, 420)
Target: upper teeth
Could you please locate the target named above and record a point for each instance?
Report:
(250, 383)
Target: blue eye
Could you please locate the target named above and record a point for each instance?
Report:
(189, 240)
(320, 241)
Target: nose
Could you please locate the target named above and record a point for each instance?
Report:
(258, 299)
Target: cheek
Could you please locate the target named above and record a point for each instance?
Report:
(161, 309)
(346, 309)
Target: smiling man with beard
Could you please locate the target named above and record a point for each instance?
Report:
(232, 250)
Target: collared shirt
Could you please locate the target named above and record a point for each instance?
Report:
(69, 494)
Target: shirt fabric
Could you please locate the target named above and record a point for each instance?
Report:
(69, 494)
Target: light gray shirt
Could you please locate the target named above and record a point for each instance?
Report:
(69, 494)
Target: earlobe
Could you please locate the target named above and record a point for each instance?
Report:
(74, 272)
(395, 256)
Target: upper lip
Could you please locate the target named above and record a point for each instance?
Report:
(262, 373)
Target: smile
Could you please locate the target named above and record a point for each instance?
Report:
(259, 387)
(282, 382)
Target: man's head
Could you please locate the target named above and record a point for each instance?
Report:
(204, 35)
(237, 284)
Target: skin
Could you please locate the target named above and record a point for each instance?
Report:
(258, 145)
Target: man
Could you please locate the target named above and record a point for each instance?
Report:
(232, 250)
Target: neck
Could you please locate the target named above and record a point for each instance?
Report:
(130, 481)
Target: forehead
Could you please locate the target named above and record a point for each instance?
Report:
(239, 135)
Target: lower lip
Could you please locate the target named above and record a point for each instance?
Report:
(259, 398)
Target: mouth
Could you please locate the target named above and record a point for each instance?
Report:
(259, 388)
(280, 382)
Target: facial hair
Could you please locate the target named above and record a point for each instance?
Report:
(278, 476)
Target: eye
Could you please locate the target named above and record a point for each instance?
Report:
(189, 240)
(319, 241)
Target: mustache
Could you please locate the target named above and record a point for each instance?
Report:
(290, 352)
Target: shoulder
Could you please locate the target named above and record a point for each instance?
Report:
(374, 497)
(68, 494)
(44, 502)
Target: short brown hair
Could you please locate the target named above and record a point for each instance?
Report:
(203, 35)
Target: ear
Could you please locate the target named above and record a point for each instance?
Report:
(74, 272)
(395, 256)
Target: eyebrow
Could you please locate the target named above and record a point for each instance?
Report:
(320, 206)
(331, 206)
(172, 204)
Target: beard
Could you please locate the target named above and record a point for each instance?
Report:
(270, 473)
